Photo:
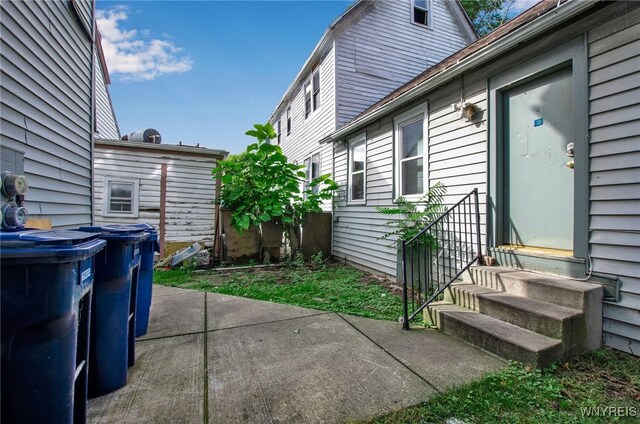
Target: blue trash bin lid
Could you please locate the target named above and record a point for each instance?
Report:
(153, 231)
(49, 244)
(116, 232)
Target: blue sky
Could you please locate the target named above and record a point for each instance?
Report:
(206, 71)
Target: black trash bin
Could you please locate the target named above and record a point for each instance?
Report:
(46, 286)
(112, 347)
(145, 283)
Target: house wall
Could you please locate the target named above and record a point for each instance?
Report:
(46, 104)
(106, 126)
(457, 156)
(190, 190)
(384, 50)
(307, 132)
(614, 123)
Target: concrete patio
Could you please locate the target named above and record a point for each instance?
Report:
(210, 358)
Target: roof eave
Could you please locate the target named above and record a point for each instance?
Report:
(527, 31)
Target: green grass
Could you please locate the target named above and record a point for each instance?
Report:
(336, 288)
(603, 378)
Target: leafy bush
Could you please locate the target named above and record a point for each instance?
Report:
(260, 184)
(415, 215)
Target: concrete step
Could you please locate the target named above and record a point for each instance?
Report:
(541, 317)
(493, 335)
(547, 288)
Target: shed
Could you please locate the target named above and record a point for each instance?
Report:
(169, 186)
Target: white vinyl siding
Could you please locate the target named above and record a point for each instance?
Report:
(46, 105)
(190, 190)
(106, 124)
(385, 49)
(614, 124)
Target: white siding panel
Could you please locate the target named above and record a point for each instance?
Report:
(614, 60)
(106, 126)
(46, 105)
(385, 50)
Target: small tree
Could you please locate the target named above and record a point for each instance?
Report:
(260, 184)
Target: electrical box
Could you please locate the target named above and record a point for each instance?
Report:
(13, 187)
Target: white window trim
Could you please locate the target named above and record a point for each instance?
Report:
(315, 107)
(429, 10)
(309, 82)
(106, 197)
(309, 168)
(418, 112)
(354, 142)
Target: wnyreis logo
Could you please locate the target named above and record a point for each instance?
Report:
(609, 411)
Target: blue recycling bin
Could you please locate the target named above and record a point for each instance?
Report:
(45, 289)
(145, 283)
(112, 347)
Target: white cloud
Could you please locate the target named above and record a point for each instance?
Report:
(133, 54)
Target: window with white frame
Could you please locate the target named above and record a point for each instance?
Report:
(357, 168)
(411, 152)
(279, 130)
(421, 12)
(316, 90)
(289, 121)
(311, 170)
(120, 197)
(307, 99)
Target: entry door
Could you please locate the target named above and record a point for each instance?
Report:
(538, 202)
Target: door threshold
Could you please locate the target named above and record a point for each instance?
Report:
(540, 252)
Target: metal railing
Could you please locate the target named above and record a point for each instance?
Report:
(439, 254)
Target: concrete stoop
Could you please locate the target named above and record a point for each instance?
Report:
(532, 318)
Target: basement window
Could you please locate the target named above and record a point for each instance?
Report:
(421, 12)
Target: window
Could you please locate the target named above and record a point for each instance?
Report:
(279, 119)
(312, 170)
(289, 121)
(307, 99)
(120, 197)
(411, 153)
(357, 168)
(422, 12)
(316, 90)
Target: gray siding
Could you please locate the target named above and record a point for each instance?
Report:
(457, 158)
(384, 50)
(189, 196)
(46, 106)
(614, 123)
(106, 125)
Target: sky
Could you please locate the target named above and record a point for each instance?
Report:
(206, 71)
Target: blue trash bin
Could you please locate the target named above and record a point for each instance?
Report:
(46, 286)
(145, 283)
(112, 347)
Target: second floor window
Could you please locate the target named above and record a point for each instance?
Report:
(422, 12)
(316, 90)
(307, 99)
(288, 121)
(279, 120)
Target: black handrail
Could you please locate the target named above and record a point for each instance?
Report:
(453, 237)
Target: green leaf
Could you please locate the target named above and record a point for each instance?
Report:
(265, 217)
